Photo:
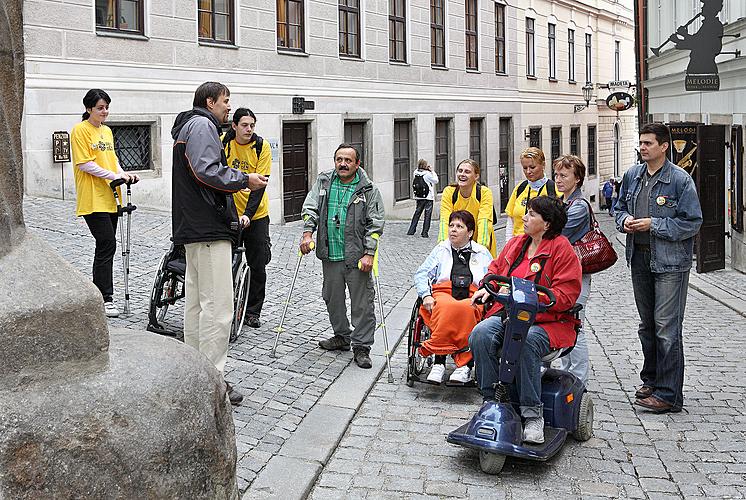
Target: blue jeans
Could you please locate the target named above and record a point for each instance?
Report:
(484, 342)
(661, 300)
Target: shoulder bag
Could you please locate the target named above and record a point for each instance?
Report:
(594, 250)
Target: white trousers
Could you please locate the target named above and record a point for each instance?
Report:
(577, 361)
(209, 299)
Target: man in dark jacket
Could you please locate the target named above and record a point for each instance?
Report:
(346, 211)
(205, 221)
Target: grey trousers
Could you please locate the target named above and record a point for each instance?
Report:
(362, 296)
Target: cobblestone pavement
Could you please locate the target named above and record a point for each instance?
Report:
(278, 392)
(395, 446)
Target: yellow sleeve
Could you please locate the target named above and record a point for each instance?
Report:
(511, 203)
(484, 217)
(446, 207)
(264, 163)
(82, 152)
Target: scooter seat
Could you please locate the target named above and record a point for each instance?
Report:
(177, 266)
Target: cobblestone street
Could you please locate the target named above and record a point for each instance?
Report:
(395, 446)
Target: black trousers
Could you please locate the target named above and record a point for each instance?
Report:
(427, 207)
(103, 227)
(258, 254)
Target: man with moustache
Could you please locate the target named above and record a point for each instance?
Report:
(205, 221)
(347, 210)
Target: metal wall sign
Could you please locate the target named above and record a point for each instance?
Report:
(683, 150)
(60, 147)
(620, 101)
(300, 105)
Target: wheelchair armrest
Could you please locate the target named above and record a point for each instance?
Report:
(575, 310)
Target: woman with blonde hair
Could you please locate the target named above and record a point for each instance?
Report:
(536, 184)
(467, 193)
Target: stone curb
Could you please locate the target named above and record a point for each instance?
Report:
(728, 300)
(292, 473)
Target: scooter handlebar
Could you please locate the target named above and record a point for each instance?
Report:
(489, 282)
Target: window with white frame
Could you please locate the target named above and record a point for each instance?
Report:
(552, 34)
(530, 48)
(472, 34)
(500, 63)
(571, 55)
(588, 58)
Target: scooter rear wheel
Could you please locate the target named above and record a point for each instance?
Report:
(584, 429)
(491, 463)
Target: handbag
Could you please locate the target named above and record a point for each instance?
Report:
(594, 249)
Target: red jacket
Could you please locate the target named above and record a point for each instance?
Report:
(562, 274)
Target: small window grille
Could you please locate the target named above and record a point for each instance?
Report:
(132, 145)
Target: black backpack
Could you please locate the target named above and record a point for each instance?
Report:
(551, 189)
(479, 185)
(420, 187)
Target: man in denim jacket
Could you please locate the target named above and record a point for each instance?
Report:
(659, 209)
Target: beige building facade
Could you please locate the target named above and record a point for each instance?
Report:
(402, 79)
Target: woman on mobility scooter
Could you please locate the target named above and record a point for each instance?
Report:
(546, 257)
(444, 283)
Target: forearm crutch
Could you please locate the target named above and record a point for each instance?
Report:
(380, 309)
(273, 353)
(121, 210)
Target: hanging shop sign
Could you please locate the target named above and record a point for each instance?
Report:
(620, 101)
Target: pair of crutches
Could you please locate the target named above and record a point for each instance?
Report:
(380, 307)
(121, 210)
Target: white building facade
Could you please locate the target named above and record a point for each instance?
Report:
(401, 79)
(668, 101)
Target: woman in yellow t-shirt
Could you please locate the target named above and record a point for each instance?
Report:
(96, 165)
(468, 194)
(249, 153)
(536, 184)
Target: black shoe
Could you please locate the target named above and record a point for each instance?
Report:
(362, 358)
(410, 234)
(234, 396)
(253, 321)
(424, 235)
(336, 343)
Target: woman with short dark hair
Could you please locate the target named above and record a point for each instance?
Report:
(546, 257)
(444, 282)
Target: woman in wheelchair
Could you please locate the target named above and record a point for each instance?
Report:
(546, 257)
(444, 282)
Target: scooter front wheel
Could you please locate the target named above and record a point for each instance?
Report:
(584, 430)
(491, 463)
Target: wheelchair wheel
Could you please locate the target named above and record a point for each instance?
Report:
(240, 301)
(164, 287)
(417, 334)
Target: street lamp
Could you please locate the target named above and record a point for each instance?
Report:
(587, 95)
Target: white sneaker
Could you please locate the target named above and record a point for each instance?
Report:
(436, 373)
(462, 374)
(533, 430)
(111, 310)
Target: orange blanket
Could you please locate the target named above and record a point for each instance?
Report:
(450, 323)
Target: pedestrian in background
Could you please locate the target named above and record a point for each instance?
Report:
(467, 193)
(346, 210)
(423, 187)
(659, 210)
(608, 192)
(536, 184)
(96, 165)
(249, 153)
(205, 222)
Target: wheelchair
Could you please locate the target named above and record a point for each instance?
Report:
(168, 288)
(417, 364)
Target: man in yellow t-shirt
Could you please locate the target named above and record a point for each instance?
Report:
(249, 153)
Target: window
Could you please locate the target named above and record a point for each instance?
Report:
(133, 147)
(591, 150)
(402, 134)
(397, 31)
(120, 15)
(438, 33)
(355, 135)
(500, 66)
(349, 28)
(575, 141)
(215, 19)
(475, 146)
(552, 33)
(617, 56)
(588, 58)
(530, 54)
(556, 145)
(571, 55)
(472, 38)
(506, 153)
(534, 137)
(290, 25)
(442, 167)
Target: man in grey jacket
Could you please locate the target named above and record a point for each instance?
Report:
(346, 210)
(205, 221)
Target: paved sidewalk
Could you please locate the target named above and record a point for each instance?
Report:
(395, 446)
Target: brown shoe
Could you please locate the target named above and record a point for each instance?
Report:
(644, 392)
(656, 405)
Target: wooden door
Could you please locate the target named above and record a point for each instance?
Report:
(709, 176)
(294, 169)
